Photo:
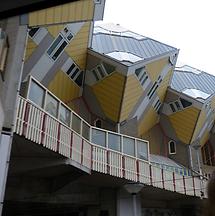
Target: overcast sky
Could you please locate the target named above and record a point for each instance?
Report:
(188, 25)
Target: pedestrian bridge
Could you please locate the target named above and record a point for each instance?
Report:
(47, 121)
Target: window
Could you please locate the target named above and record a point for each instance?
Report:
(3, 51)
(36, 93)
(152, 90)
(114, 141)
(64, 115)
(59, 44)
(76, 123)
(85, 130)
(172, 107)
(51, 105)
(75, 74)
(102, 70)
(157, 105)
(172, 147)
(33, 31)
(141, 75)
(128, 146)
(185, 103)
(99, 137)
(142, 150)
(178, 105)
(98, 123)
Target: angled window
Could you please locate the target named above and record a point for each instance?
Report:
(172, 147)
(33, 31)
(36, 94)
(185, 103)
(152, 90)
(172, 107)
(157, 105)
(141, 75)
(70, 68)
(59, 44)
(178, 105)
(108, 68)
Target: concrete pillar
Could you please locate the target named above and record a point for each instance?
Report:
(5, 148)
(127, 202)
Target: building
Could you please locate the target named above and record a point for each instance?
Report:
(89, 110)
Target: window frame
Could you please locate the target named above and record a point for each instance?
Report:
(169, 147)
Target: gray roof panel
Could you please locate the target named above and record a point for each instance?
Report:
(119, 39)
(185, 78)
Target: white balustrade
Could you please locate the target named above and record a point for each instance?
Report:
(130, 168)
(40, 127)
(115, 164)
(144, 172)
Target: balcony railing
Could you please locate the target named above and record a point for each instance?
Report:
(96, 149)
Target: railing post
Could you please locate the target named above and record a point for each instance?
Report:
(162, 175)
(108, 162)
(184, 185)
(194, 189)
(82, 151)
(43, 129)
(58, 138)
(174, 184)
(26, 116)
(150, 172)
(138, 170)
(123, 166)
(71, 143)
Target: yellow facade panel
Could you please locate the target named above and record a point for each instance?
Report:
(63, 87)
(55, 29)
(109, 94)
(132, 93)
(72, 12)
(161, 91)
(154, 68)
(205, 137)
(184, 123)
(31, 46)
(199, 125)
(213, 102)
(150, 119)
(77, 49)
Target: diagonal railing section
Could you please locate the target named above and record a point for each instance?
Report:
(97, 149)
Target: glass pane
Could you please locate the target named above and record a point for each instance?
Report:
(99, 137)
(64, 115)
(36, 94)
(142, 150)
(54, 45)
(33, 31)
(128, 146)
(114, 141)
(59, 50)
(76, 123)
(86, 131)
(51, 105)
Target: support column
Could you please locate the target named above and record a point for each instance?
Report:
(5, 149)
(128, 204)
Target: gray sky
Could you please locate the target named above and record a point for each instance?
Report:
(185, 24)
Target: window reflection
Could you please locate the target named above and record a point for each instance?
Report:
(142, 150)
(36, 94)
(86, 131)
(64, 115)
(128, 146)
(76, 123)
(51, 105)
(114, 141)
(98, 137)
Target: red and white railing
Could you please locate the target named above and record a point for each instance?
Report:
(39, 126)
